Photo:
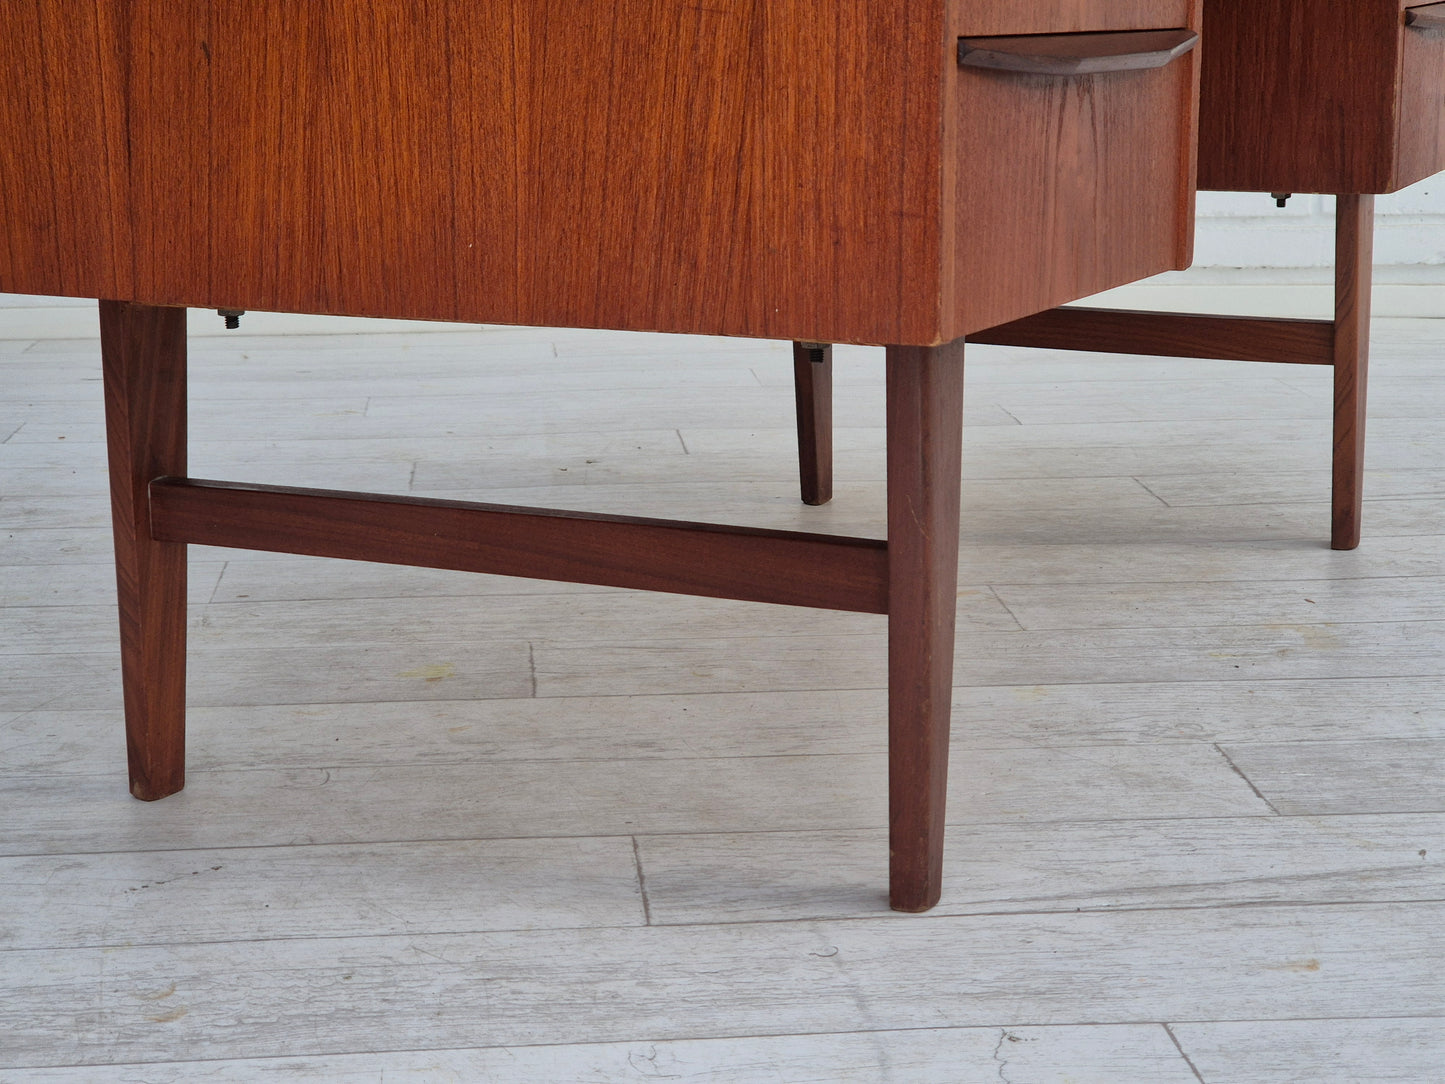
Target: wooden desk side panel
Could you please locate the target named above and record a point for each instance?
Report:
(63, 195)
(749, 167)
(767, 169)
(1299, 95)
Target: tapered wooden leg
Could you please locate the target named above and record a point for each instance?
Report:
(1354, 257)
(925, 439)
(813, 387)
(143, 351)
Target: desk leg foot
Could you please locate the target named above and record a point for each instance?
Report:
(925, 437)
(1354, 256)
(143, 352)
(813, 389)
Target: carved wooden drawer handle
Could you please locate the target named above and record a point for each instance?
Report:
(1079, 54)
(1429, 17)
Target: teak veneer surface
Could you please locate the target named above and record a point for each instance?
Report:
(768, 168)
(1319, 96)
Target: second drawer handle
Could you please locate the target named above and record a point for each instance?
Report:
(1429, 17)
(1078, 54)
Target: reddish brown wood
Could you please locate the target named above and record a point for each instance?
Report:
(1354, 257)
(594, 163)
(925, 441)
(1168, 334)
(756, 167)
(143, 350)
(1420, 150)
(1077, 54)
(826, 571)
(1043, 201)
(63, 193)
(813, 392)
(1319, 96)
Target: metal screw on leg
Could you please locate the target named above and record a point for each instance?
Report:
(1280, 198)
(817, 352)
(232, 317)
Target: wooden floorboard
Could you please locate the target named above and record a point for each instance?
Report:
(281, 806)
(1084, 1055)
(315, 995)
(441, 826)
(1065, 867)
(1286, 1051)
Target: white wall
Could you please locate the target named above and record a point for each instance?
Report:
(1246, 230)
(1251, 257)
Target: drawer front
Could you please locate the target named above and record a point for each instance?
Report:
(1420, 150)
(1089, 184)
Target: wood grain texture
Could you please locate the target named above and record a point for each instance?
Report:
(813, 722)
(318, 995)
(1082, 152)
(511, 798)
(617, 551)
(1325, 777)
(1286, 1051)
(1250, 653)
(1354, 266)
(747, 168)
(1183, 335)
(153, 897)
(1255, 602)
(63, 184)
(1063, 867)
(1315, 96)
(466, 162)
(604, 794)
(1420, 114)
(143, 351)
(1096, 1055)
(925, 435)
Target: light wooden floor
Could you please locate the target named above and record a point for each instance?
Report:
(442, 827)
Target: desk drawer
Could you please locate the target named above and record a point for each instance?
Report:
(1321, 96)
(1420, 136)
(1091, 184)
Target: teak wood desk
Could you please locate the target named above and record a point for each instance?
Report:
(1342, 97)
(895, 172)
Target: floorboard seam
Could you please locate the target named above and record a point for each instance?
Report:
(1184, 1054)
(641, 882)
(1248, 782)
